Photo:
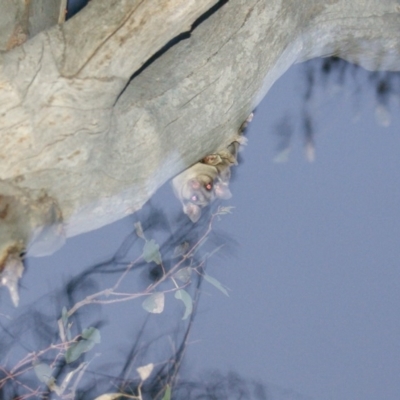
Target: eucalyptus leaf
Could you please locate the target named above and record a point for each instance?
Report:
(183, 274)
(76, 350)
(155, 303)
(209, 255)
(43, 372)
(145, 371)
(92, 334)
(183, 295)
(167, 394)
(151, 252)
(139, 230)
(109, 396)
(181, 249)
(215, 283)
(225, 210)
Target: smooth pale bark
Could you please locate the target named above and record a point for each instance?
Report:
(77, 130)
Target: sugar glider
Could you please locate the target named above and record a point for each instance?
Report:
(208, 179)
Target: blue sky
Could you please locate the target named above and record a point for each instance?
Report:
(315, 278)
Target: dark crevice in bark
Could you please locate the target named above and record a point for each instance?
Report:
(208, 14)
(173, 42)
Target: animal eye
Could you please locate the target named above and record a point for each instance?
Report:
(209, 186)
(193, 198)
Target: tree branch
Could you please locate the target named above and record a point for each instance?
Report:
(100, 147)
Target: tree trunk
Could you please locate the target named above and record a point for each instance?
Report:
(94, 117)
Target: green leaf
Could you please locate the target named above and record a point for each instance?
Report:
(154, 303)
(209, 255)
(75, 351)
(215, 283)
(167, 394)
(90, 337)
(43, 372)
(151, 252)
(187, 301)
(183, 274)
(225, 210)
(181, 249)
(92, 334)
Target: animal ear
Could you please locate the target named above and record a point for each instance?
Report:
(193, 211)
(225, 175)
(222, 191)
(212, 159)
